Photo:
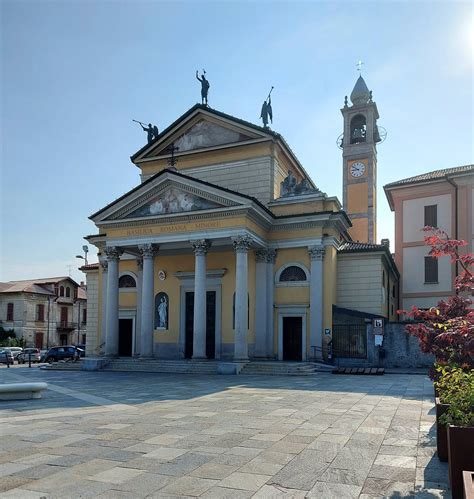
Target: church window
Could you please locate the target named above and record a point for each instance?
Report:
(293, 274)
(10, 312)
(358, 129)
(68, 292)
(61, 291)
(431, 215)
(161, 311)
(127, 281)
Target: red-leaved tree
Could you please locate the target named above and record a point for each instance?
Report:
(447, 330)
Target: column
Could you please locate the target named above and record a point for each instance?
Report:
(261, 290)
(138, 319)
(103, 308)
(270, 280)
(241, 246)
(316, 253)
(148, 252)
(111, 336)
(200, 248)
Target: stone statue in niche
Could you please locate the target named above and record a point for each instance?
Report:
(290, 186)
(161, 311)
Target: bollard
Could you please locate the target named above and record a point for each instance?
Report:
(29, 359)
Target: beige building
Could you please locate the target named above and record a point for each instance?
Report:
(441, 198)
(45, 312)
(228, 250)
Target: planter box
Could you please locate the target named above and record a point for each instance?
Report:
(468, 478)
(460, 456)
(441, 432)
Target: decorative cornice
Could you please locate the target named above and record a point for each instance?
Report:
(201, 246)
(113, 253)
(148, 250)
(242, 243)
(316, 252)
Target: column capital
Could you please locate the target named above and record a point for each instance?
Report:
(316, 252)
(104, 263)
(113, 253)
(242, 243)
(139, 261)
(148, 250)
(265, 255)
(201, 246)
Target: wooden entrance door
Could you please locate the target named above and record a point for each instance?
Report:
(125, 337)
(39, 340)
(292, 338)
(210, 324)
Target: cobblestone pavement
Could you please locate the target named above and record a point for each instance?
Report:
(153, 435)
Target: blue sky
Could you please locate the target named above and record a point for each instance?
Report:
(75, 73)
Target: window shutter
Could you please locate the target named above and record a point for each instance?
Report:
(431, 269)
(10, 312)
(431, 215)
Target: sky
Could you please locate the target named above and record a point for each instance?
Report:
(75, 73)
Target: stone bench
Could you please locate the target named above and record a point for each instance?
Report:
(21, 391)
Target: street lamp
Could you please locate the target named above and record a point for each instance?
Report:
(85, 248)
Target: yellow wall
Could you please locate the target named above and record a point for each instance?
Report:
(360, 229)
(330, 288)
(357, 198)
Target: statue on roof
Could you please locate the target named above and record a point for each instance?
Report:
(204, 86)
(267, 111)
(151, 130)
(290, 186)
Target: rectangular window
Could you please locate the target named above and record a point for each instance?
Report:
(10, 312)
(40, 312)
(431, 215)
(84, 316)
(431, 270)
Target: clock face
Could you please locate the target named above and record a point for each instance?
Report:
(357, 169)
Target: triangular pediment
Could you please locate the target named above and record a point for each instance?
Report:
(201, 129)
(172, 200)
(204, 134)
(168, 194)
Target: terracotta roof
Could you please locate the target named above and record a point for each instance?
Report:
(356, 247)
(89, 266)
(432, 176)
(38, 286)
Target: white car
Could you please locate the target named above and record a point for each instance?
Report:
(14, 350)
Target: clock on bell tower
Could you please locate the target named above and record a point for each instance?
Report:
(359, 160)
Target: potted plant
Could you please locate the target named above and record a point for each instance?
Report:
(459, 418)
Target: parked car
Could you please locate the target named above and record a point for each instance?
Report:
(14, 350)
(24, 356)
(62, 353)
(83, 348)
(6, 354)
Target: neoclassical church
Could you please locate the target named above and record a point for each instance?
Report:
(228, 250)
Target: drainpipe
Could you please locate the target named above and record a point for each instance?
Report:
(455, 216)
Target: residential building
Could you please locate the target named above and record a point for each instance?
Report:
(45, 312)
(443, 199)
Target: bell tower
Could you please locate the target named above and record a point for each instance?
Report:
(359, 162)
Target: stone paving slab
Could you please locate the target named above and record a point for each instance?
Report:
(114, 435)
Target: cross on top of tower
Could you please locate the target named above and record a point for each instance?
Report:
(359, 66)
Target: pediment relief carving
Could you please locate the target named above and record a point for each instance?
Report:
(171, 200)
(205, 134)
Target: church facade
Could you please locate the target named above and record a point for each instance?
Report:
(228, 250)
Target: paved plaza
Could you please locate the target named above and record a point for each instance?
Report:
(113, 435)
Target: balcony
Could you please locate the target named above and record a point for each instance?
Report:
(66, 326)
